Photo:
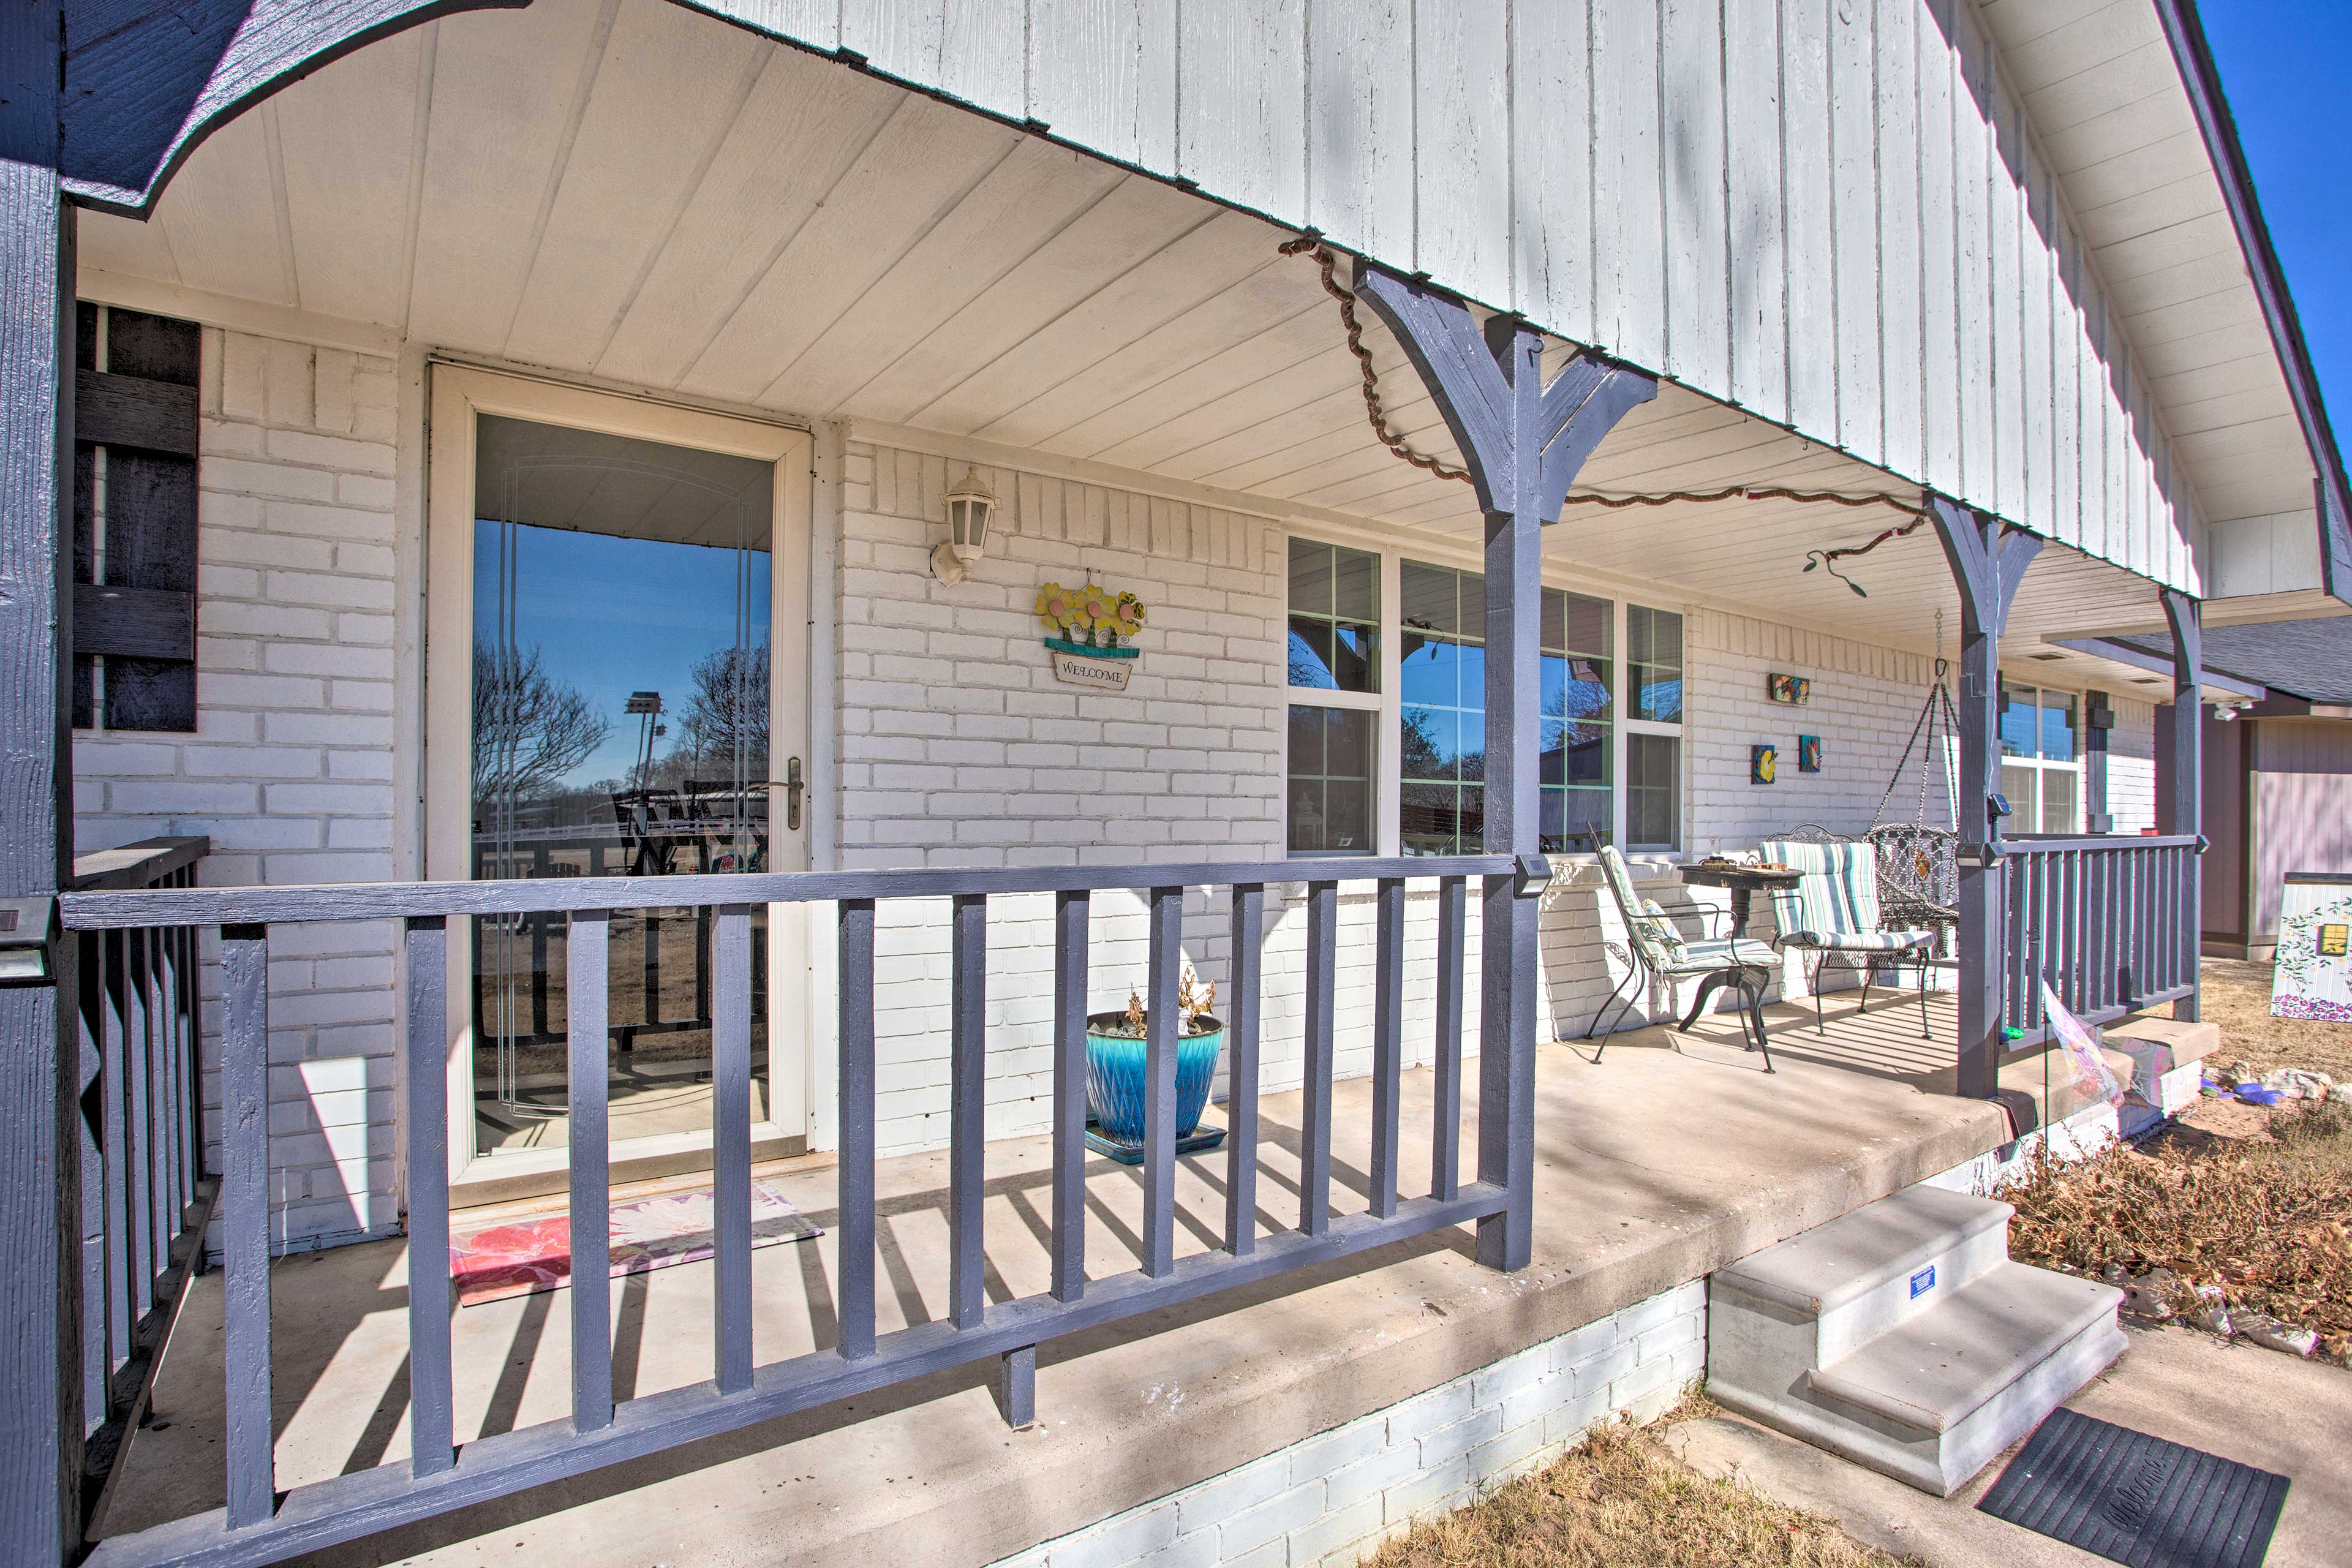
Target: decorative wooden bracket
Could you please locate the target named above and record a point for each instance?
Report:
(1479, 377)
(1989, 561)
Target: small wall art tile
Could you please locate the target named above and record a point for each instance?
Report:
(1763, 764)
(1808, 753)
(1791, 688)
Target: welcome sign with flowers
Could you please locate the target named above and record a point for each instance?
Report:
(1084, 626)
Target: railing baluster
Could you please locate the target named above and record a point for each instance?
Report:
(244, 1224)
(1445, 1130)
(967, 1110)
(162, 1212)
(2012, 920)
(1315, 1135)
(122, 1292)
(1161, 1031)
(136, 1083)
(728, 982)
(1071, 913)
(854, 1176)
(174, 1070)
(1241, 1069)
(427, 1128)
(1387, 1043)
(588, 1043)
(91, 1010)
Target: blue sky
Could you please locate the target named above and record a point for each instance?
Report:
(2283, 64)
(614, 615)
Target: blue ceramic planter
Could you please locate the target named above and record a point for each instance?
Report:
(1115, 1078)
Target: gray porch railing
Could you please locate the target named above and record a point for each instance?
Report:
(146, 1199)
(261, 1525)
(2111, 923)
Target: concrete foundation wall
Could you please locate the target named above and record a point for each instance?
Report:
(1336, 1497)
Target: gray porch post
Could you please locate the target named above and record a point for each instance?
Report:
(1987, 563)
(1523, 442)
(41, 1053)
(2187, 781)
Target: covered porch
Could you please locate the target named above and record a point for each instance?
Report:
(867, 292)
(1672, 1156)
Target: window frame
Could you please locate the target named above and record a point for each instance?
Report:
(2038, 764)
(1387, 702)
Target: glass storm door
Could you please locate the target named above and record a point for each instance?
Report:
(625, 721)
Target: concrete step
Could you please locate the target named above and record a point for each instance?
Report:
(1869, 1271)
(2187, 1042)
(1931, 1402)
(1902, 1337)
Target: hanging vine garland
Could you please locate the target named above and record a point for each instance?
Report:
(1311, 245)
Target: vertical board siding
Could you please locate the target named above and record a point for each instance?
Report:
(1810, 222)
(1830, 212)
(1628, 202)
(1854, 198)
(1359, 154)
(1551, 163)
(1103, 75)
(1901, 327)
(1758, 246)
(1462, 155)
(1698, 302)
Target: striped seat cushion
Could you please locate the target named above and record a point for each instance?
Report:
(1834, 905)
(1857, 941)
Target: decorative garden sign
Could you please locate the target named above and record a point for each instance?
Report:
(1084, 626)
(2314, 978)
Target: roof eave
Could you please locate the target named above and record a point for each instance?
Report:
(2333, 498)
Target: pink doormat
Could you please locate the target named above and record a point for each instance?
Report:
(519, 1257)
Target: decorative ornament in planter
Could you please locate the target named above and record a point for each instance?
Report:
(1118, 1084)
(1084, 626)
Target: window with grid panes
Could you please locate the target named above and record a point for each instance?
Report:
(1335, 678)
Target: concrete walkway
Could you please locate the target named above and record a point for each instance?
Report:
(2253, 1405)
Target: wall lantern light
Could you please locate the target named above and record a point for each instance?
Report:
(970, 506)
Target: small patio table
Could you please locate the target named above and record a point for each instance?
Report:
(1741, 882)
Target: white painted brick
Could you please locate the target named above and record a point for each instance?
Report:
(1271, 1521)
(1236, 1492)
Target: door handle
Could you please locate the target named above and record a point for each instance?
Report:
(792, 787)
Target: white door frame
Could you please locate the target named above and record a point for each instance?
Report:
(456, 395)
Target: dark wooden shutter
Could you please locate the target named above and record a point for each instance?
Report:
(139, 611)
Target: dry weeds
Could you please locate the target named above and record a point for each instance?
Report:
(2265, 1217)
(1623, 1498)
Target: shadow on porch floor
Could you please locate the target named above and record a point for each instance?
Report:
(1672, 1155)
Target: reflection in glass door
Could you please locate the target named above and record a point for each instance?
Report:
(622, 712)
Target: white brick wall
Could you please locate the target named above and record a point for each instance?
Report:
(1335, 1498)
(2131, 765)
(291, 768)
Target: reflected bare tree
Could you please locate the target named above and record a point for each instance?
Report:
(726, 717)
(529, 731)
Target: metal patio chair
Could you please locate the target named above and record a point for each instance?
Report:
(1834, 913)
(1661, 953)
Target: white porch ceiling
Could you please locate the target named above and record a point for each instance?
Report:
(629, 191)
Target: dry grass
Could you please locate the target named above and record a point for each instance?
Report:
(1623, 1498)
(2265, 1217)
(2238, 998)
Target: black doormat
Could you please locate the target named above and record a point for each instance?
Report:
(2136, 1498)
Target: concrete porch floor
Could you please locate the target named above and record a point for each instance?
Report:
(1672, 1155)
